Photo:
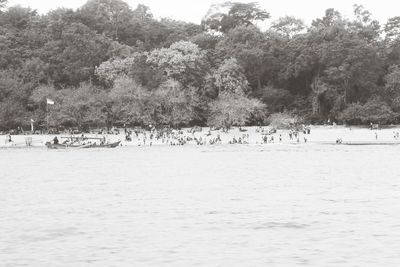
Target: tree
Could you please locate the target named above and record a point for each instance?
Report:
(17, 17)
(276, 99)
(130, 102)
(392, 28)
(110, 70)
(375, 111)
(229, 78)
(3, 3)
(179, 31)
(75, 55)
(250, 47)
(182, 61)
(174, 105)
(80, 107)
(333, 61)
(239, 14)
(288, 26)
(109, 17)
(13, 98)
(365, 26)
(231, 109)
(392, 80)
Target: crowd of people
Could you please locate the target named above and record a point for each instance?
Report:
(199, 136)
(196, 136)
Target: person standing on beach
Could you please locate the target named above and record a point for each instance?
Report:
(55, 140)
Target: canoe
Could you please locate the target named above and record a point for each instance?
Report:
(360, 143)
(373, 143)
(110, 145)
(64, 146)
(55, 146)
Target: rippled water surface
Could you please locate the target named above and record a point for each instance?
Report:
(279, 205)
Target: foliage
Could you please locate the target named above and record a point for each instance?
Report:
(108, 64)
(393, 81)
(288, 26)
(231, 109)
(238, 14)
(130, 102)
(276, 99)
(283, 120)
(172, 105)
(375, 111)
(183, 61)
(229, 78)
(109, 70)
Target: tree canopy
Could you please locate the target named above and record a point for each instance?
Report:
(108, 64)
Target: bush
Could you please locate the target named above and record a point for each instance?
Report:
(375, 111)
(276, 99)
(231, 109)
(283, 120)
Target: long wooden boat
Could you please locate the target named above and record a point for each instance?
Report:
(89, 145)
(107, 145)
(371, 143)
(55, 146)
(360, 143)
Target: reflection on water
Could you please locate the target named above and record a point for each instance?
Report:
(208, 206)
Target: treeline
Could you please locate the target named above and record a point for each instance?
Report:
(106, 64)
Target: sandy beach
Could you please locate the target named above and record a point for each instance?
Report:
(252, 135)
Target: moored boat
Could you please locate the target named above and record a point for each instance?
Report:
(51, 145)
(106, 145)
(55, 146)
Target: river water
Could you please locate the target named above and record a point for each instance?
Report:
(270, 205)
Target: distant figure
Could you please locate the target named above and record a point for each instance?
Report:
(55, 140)
(9, 138)
(376, 136)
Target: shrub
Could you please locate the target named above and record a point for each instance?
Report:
(283, 120)
(375, 111)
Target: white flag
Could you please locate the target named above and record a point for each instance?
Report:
(50, 102)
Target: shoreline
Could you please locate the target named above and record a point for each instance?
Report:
(318, 135)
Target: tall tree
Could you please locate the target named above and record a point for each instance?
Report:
(109, 17)
(183, 61)
(288, 26)
(238, 14)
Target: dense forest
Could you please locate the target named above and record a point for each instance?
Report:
(108, 64)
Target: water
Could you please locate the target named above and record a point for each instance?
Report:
(279, 205)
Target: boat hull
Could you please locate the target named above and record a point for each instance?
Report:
(55, 146)
(63, 146)
(110, 145)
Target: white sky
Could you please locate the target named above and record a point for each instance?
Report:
(194, 10)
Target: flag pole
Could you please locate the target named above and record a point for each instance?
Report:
(47, 116)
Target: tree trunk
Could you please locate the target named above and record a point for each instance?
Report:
(258, 82)
(316, 103)
(346, 89)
